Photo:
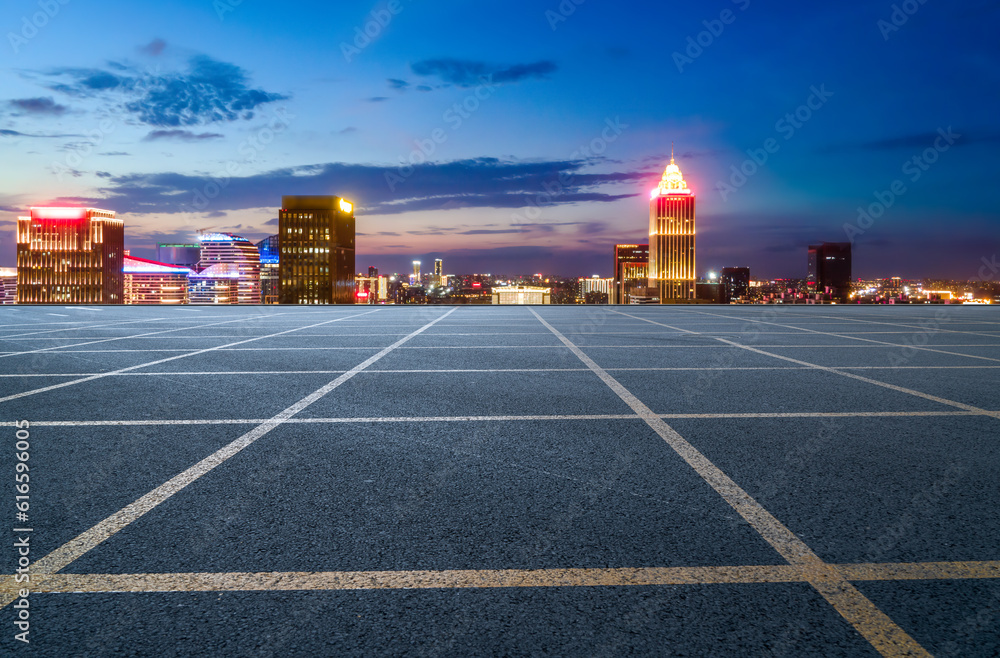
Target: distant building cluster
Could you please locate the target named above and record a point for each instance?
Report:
(77, 256)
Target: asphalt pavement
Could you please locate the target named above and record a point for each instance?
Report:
(459, 481)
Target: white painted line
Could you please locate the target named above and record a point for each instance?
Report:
(86, 325)
(83, 308)
(492, 419)
(171, 358)
(925, 348)
(243, 373)
(867, 380)
(58, 315)
(912, 326)
(858, 610)
(63, 348)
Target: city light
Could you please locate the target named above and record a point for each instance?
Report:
(346, 206)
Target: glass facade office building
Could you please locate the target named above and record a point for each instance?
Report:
(270, 278)
(316, 244)
(229, 249)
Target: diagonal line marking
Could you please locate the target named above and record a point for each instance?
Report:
(80, 545)
(171, 358)
(850, 375)
(873, 624)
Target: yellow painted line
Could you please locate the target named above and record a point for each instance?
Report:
(921, 571)
(367, 580)
(78, 546)
(881, 632)
(493, 578)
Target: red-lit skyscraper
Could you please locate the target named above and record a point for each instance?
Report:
(672, 237)
(70, 256)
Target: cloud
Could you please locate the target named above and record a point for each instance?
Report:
(475, 183)
(154, 48)
(402, 85)
(377, 99)
(467, 73)
(180, 135)
(14, 133)
(37, 106)
(208, 91)
(347, 131)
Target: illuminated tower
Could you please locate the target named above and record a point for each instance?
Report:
(672, 237)
(70, 256)
(415, 277)
(439, 272)
(316, 242)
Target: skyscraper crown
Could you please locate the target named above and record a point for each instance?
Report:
(672, 181)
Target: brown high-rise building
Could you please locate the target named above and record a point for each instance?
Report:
(631, 271)
(830, 269)
(672, 238)
(70, 256)
(316, 242)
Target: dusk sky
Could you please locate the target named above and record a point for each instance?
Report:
(199, 114)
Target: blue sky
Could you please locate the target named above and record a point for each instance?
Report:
(536, 129)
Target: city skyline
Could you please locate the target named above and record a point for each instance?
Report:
(282, 110)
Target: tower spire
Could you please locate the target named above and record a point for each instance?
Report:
(672, 181)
